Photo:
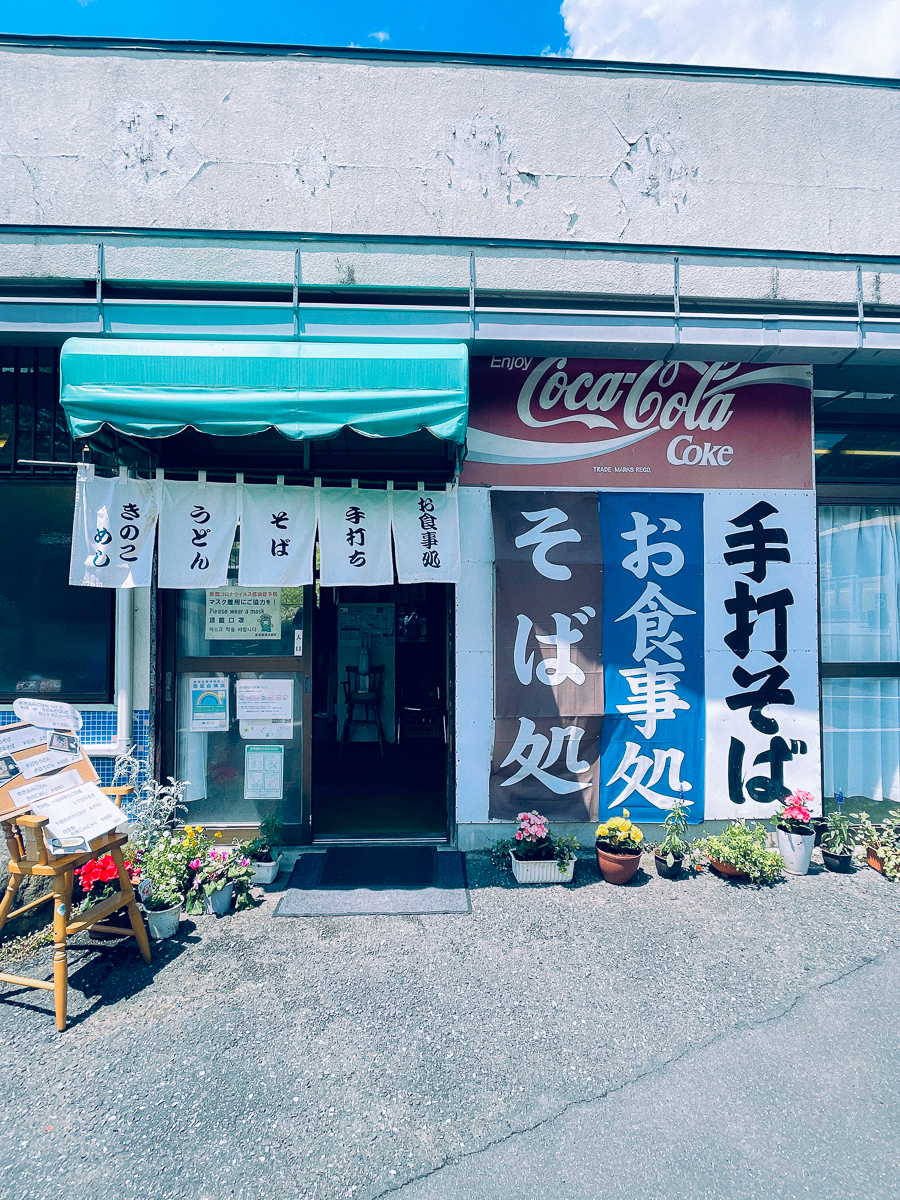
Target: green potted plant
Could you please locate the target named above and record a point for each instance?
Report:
(264, 849)
(838, 842)
(618, 847)
(741, 852)
(534, 855)
(882, 842)
(794, 833)
(164, 873)
(675, 845)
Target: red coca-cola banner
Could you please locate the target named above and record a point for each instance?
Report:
(567, 422)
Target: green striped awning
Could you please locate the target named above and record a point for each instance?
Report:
(302, 389)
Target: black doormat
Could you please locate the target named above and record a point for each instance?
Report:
(371, 880)
(379, 866)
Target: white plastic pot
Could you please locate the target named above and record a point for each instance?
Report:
(218, 904)
(531, 870)
(796, 850)
(265, 872)
(163, 923)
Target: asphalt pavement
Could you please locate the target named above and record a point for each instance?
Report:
(695, 1038)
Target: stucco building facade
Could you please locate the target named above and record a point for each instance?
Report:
(668, 295)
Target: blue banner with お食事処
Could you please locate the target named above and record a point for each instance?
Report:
(651, 747)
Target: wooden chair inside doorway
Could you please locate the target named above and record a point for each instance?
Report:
(30, 857)
(363, 692)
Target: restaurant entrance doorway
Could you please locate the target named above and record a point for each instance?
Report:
(381, 721)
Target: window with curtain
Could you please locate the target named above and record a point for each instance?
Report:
(859, 569)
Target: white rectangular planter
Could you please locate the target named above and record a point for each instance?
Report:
(531, 870)
(266, 871)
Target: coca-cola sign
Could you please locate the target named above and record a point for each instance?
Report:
(562, 421)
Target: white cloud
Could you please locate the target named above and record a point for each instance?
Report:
(381, 36)
(852, 37)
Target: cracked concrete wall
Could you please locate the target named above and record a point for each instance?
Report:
(148, 139)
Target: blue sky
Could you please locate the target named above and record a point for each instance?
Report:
(477, 26)
(844, 36)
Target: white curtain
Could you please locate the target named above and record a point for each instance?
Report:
(278, 536)
(859, 569)
(426, 536)
(196, 533)
(861, 737)
(355, 538)
(112, 532)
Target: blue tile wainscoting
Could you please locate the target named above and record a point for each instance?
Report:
(102, 727)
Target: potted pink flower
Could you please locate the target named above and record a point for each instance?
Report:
(536, 856)
(219, 876)
(794, 832)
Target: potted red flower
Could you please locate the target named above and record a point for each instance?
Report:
(794, 832)
(99, 879)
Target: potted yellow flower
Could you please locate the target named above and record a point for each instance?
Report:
(618, 848)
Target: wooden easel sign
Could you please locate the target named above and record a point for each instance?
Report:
(45, 774)
(50, 759)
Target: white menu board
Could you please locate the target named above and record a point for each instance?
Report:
(80, 812)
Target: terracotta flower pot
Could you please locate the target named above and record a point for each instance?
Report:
(874, 859)
(727, 869)
(616, 867)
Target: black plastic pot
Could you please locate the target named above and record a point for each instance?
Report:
(820, 827)
(840, 863)
(663, 869)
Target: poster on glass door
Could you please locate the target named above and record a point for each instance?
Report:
(209, 704)
(263, 772)
(243, 614)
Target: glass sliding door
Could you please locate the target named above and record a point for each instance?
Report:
(241, 695)
(859, 569)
